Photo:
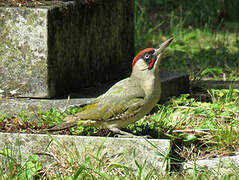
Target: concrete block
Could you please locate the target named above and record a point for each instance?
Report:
(222, 164)
(173, 84)
(213, 84)
(48, 51)
(119, 150)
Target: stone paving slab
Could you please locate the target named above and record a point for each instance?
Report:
(50, 50)
(114, 149)
(223, 164)
(213, 84)
(173, 84)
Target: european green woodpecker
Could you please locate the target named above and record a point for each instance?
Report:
(128, 100)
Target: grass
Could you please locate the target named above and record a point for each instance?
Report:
(202, 124)
(69, 164)
(204, 55)
(12, 167)
(212, 122)
(205, 51)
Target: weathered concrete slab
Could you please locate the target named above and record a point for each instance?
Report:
(213, 84)
(113, 148)
(173, 84)
(223, 164)
(48, 51)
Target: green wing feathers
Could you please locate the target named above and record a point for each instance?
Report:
(117, 103)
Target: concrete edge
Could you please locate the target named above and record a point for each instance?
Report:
(220, 163)
(112, 148)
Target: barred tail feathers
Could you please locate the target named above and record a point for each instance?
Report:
(69, 121)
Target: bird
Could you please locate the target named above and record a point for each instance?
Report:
(127, 101)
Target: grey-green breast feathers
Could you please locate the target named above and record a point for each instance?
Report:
(121, 101)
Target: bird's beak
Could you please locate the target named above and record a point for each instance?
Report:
(161, 47)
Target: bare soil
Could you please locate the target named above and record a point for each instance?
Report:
(17, 125)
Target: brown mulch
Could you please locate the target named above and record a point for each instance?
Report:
(17, 125)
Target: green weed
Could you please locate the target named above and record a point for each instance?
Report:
(11, 167)
(2, 117)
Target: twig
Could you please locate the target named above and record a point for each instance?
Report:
(184, 107)
(45, 172)
(199, 131)
(189, 107)
(48, 154)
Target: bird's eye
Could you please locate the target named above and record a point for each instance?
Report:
(146, 56)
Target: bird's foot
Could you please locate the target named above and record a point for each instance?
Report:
(131, 136)
(123, 134)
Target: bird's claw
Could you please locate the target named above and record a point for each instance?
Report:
(131, 136)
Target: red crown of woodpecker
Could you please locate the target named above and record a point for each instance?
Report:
(150, 55)
(139, 55)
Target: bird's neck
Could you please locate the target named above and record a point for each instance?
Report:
(149, 81)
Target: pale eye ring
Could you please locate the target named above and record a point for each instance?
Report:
(146, 56)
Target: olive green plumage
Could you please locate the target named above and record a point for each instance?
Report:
(128, 100)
